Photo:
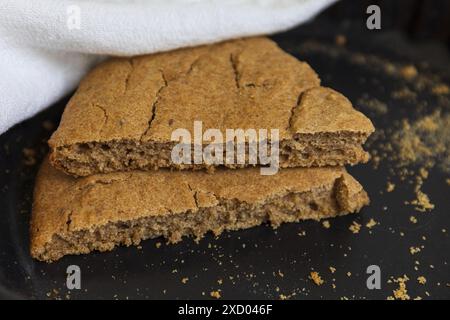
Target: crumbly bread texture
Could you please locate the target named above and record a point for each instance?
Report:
(124, 112)
(77, 216)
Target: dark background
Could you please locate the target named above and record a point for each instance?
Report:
(261, 263)
(419, 19)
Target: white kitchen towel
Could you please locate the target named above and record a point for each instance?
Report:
(46, 46)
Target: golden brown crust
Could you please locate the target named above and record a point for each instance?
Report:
(246, 83)
(325, 110)
(64, 205)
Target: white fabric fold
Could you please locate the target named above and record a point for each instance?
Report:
(46, 46)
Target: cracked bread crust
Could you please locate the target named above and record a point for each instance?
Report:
(136, 103)
(76, 216)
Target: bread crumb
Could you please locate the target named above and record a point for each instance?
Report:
(408, 72)
(158, 245)
(390, 187)
(389, 67)
(371, 223)
(355, 227)
(413, 219)
(340, 40)
(185, 280)
(30, 156)
(326, 224)
(215, 294)
(349, 274)
(332, 269)
(422, 202)
(414, 250)
(302, 233)
(422, 280)
(423, 173)
(440, 89)
(372, 104)
(404, 93)
(315, 277)
(424, 141)
(375, 160)
(401, 293)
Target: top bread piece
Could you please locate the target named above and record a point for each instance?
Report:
(246, 83)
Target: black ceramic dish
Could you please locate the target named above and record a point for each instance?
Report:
(259, 263)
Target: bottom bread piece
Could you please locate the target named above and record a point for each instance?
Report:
(99, 212)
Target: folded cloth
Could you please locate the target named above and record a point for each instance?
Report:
(46, 46)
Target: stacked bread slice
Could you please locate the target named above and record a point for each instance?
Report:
(111, 178)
